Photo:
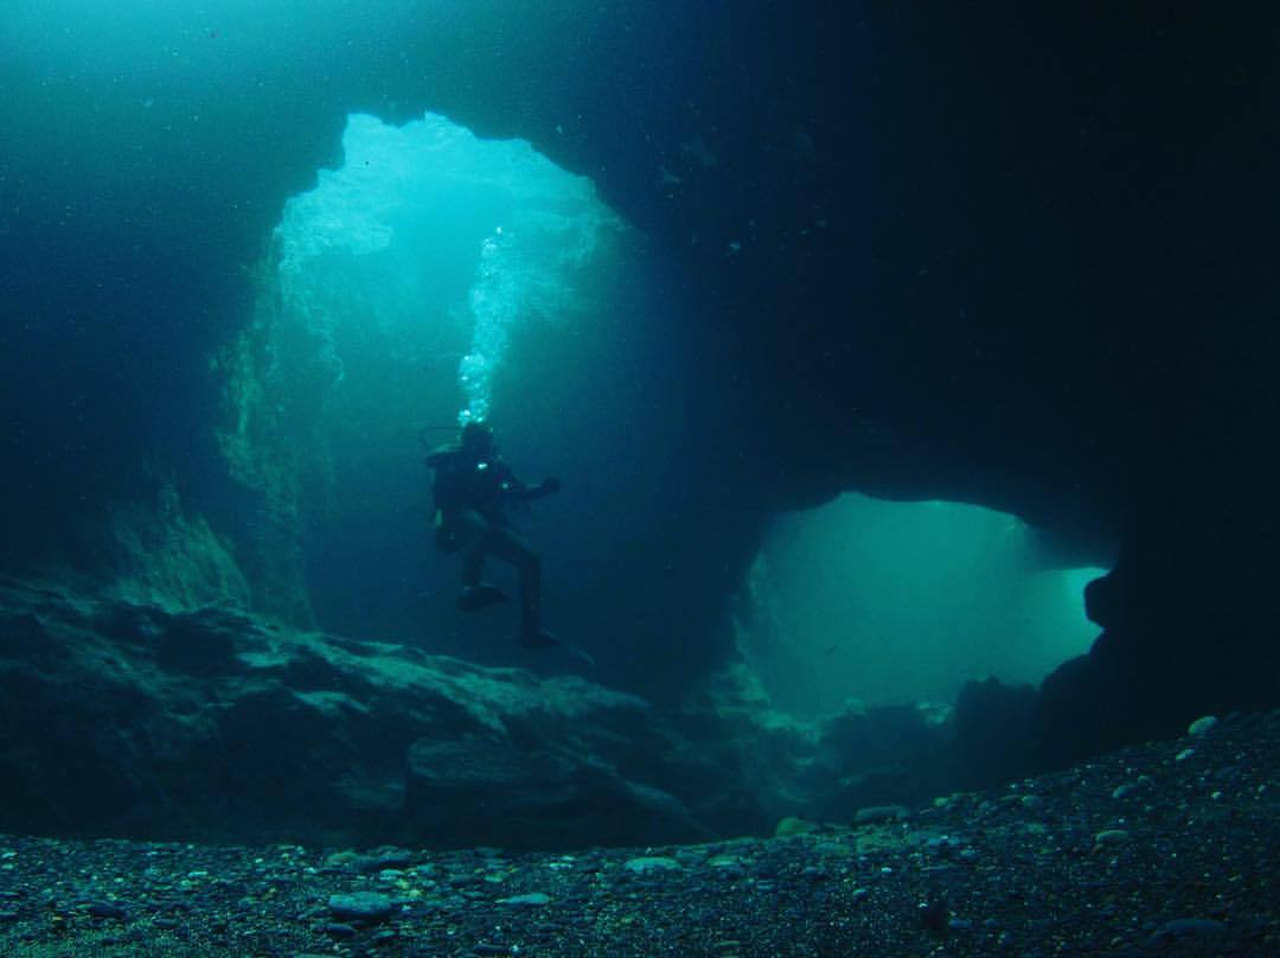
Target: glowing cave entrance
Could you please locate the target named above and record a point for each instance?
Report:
(886, 603)
(429, 247)
(432, 278)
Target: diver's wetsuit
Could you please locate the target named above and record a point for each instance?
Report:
(472, 490)
(479, 537)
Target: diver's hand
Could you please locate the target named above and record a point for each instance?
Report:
(549, 486)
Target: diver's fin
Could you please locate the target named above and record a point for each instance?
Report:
(539, 640)
(477, 597)
(549, 640)
(578, 652)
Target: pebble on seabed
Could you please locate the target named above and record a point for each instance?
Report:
(1202, 726)
(1111, 836)
(648, 863)
(361, 906)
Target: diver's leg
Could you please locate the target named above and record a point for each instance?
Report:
(473, 535)
(471, 530)
(531, 596)
(505, 544)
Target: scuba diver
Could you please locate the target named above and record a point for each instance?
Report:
(473, 488)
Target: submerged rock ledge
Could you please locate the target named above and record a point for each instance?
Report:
(121, 719)
(130, 720)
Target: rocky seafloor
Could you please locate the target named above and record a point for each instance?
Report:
(1164, 848)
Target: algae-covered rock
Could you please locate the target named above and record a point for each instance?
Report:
(794, 826)
(651, 863)
(120, 718)
(1202, 726)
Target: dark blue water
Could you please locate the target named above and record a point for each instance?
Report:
(208, 289)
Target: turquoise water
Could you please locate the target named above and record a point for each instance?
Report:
(252, 259)
(883, 603)
(433, 242)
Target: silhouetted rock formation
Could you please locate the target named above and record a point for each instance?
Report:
(124, 719)
(1021, 256)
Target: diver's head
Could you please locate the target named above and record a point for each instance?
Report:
(477, 438)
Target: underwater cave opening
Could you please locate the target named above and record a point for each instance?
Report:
(871, 602)
(436, 277)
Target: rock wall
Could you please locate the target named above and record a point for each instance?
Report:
(1020, 257)
(123, 719)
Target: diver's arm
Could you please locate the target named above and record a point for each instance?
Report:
(523, 492)
(548, 487)
(440, 457)
(545, 488)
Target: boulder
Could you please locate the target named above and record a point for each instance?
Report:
(119, 718)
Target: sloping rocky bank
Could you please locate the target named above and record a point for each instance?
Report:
(1167, 848)
(129, 720)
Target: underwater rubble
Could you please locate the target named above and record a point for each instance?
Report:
(1160, 849)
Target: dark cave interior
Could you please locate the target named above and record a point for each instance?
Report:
(1014, 256)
